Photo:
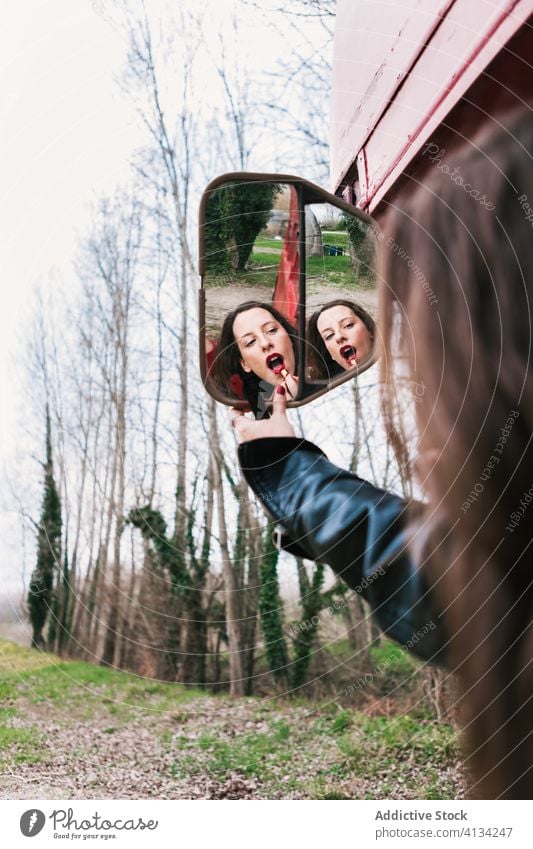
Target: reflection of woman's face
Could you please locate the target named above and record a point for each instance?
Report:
(345, 335)
(264, 344)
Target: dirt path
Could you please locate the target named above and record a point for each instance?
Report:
(73, 730)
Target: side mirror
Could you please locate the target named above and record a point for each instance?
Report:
(288, 290)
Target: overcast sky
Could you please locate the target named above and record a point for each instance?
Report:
(67, 135)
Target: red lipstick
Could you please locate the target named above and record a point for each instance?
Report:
(276, 362)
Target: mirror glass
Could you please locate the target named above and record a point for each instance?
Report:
(251, 250)
(341, 292)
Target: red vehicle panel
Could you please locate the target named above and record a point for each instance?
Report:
(405, 73)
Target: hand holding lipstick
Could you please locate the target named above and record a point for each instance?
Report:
(277, 425)
(290, 381)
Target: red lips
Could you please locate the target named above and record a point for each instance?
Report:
(348, 352)
(275, 362)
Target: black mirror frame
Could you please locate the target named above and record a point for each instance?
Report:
(307, 193)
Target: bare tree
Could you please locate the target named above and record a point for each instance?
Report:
(110, 269)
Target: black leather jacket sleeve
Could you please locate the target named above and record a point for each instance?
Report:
(362, 532)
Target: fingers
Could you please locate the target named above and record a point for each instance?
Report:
(277, 425)
(291, 384)
(236, 418)
(279, 401)
(241, 424)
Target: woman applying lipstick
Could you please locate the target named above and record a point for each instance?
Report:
(340, 336)
(453, 561)
(258, 345)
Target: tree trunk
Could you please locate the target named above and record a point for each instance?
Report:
(230, 588)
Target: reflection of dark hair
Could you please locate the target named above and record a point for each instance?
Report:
(321, 366)
(228, 361)
(468, 340)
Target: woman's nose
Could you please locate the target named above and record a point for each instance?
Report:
(340, 337)
(267, 343)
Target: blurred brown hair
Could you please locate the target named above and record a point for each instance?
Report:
(469, 347)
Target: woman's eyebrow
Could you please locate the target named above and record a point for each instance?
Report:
(252, 332)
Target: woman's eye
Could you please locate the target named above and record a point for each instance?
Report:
(249, 343)
(328, 337)
(350, 324)
(272, 330)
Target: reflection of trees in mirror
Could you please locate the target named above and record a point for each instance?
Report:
(235, 215)
(347, 258)
(362, 250)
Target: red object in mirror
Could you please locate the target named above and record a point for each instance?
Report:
(286, 295)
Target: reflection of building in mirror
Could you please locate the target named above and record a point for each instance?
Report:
(339, 338)
(281, 214)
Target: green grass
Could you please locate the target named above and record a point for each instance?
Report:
(253, 754)
(264, 242)
(401, 750)
(80, 687)
(338, 745)
(17, 744)
(289, 747)
(333, 723)
(391, 657)
(262, 267)
(21, 745)
(328, 264)
(329, 237)
(335, 237)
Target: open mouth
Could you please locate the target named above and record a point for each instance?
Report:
(348, 352)
(275, 362)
